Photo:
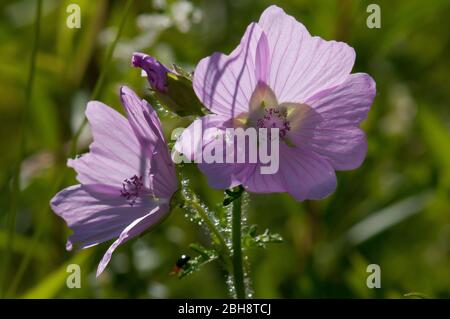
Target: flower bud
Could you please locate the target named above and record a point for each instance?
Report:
(173, 89)
(155, 70)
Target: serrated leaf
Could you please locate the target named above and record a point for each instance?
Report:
(200, 249)
(196, 263)
(253, 240)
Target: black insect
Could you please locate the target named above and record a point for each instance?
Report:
(181, 262)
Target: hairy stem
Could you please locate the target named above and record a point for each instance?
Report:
(226, 253)
(238, 266)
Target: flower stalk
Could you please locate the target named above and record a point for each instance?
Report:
(233, 259)
(238, 265)
(217, 237)
(210, 225)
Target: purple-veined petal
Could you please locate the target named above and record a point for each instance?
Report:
(193, 139)
(262, 59)
(337, 136)
(302, 173)
(348, 103)
(344, 148)
(306, 175)
(142, 118)
(115, 153)
(222, 174)
(224, 83)
(302, 65)
(264, 183)
(210, 131)
(162, 172)
(97, 213)
(134, 229)
(147, 127)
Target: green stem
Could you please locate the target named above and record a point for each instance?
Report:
(213, 229)
(238, 266)
(15, 185)
(104, 70)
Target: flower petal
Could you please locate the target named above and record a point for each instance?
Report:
(225, 83)
(115, 154)
(344, 148)
(194, 138)
(162, 172)
(302, 174)
(348, 103)
(264, 183)
(142, 118)
(337, 136)
(210, 131)
(147, 127)
(132, 230)
(96, 213)
(262, 59)
(220, 173)
(305, 174)
(302, 65)
(226, 175)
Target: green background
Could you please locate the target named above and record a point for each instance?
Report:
(393, 211)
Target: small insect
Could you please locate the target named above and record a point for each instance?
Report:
(179, 265)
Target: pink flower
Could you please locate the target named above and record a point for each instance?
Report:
(282, 77)
(126, 180)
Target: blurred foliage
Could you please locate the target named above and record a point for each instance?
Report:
(393, 211)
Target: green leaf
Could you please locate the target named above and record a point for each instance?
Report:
(194, 264)
(386, 218)
(200, 249)
(253, 240)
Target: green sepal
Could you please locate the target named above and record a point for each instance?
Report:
(179, 97)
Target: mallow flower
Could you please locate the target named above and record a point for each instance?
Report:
(126, 180)
(281, 77)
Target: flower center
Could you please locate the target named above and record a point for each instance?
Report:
(274, 118)
(131, 189)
